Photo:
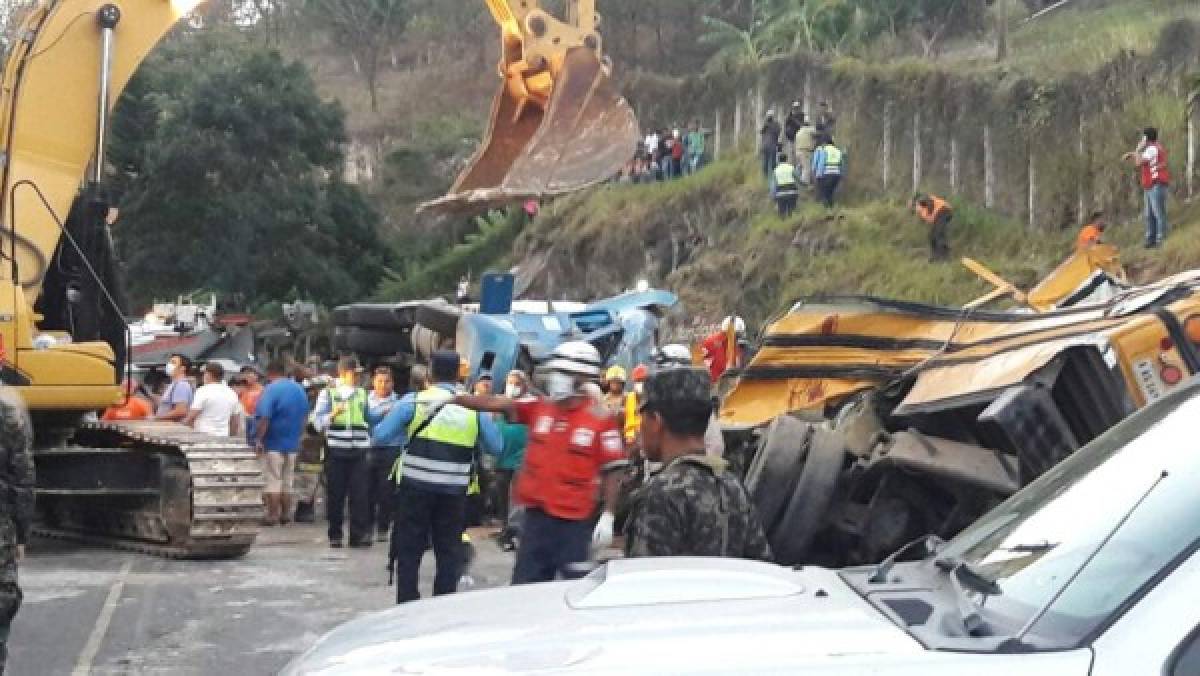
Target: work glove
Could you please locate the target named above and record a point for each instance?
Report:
(602, 537)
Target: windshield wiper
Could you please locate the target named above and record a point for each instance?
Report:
(1020, 635)
(1030, 549)
(880, 572)
(963, 576)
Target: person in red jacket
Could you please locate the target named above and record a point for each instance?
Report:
(716, 348)
(1151, 160)
(574, 444)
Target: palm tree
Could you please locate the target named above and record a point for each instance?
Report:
(783, 26)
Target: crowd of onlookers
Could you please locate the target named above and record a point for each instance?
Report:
(803, 145)
(664, 154)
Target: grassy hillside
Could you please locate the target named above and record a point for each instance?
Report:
(715, 238)
(1079, 37)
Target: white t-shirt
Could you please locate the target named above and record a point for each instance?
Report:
(1150, 158)
(217, 403)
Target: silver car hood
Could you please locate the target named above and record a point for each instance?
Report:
(648, 616)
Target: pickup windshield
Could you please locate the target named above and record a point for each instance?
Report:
(1031, 545)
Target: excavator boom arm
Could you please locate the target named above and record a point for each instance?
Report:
(55, 77)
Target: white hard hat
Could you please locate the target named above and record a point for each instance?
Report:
(575, 357)
(674, 355)
(738, 323)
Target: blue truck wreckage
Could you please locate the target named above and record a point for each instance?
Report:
(521, 334)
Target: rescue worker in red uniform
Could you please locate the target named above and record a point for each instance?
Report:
(574, 444)
(716, 348)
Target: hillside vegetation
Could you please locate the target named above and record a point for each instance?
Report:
(716, 238)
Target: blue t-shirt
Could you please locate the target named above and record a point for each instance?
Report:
(178, 392)
(285, 405)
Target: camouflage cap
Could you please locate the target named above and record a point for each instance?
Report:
(678, 390)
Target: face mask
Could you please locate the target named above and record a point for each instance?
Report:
(512, 391)
(171, 370)
(638, 388)
(559, 386)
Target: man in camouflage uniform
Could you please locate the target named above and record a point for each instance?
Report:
(693, 507)
(16, 493)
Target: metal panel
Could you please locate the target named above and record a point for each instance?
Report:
(969, 464)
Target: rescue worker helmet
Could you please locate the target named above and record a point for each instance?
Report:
(615, 373)
(673, 355)
(575, 357)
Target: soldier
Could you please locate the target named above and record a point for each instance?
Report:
(693, 507)
(16, 482)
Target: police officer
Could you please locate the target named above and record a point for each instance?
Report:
(16, 484)
(433, 472)
(574, 443)
(694, 506)
(341, 414)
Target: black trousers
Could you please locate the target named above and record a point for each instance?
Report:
(786, 204)
(379, 488)
(502, 492)
(346, 480)
(826, 186)
(549, 545)
(939, 247)
(422, 516)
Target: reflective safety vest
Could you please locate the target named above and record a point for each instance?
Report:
(937, 206)
(633, 419)
(785, 180)
(348, 431)
(441, 456)
(833, 160)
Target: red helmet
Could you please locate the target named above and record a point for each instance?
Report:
(640, 373)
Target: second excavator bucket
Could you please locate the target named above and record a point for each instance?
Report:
(584, 136)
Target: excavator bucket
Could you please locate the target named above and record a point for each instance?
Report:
(585, 135)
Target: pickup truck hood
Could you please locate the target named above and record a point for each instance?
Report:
(632, 616)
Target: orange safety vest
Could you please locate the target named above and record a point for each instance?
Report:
(1089, 235)
(930, 215)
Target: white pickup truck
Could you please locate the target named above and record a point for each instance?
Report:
(1092, 569)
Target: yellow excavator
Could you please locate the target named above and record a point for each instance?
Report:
(558, 124)
(153, 486)
(161, 487)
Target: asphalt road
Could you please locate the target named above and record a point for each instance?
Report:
(99, 611)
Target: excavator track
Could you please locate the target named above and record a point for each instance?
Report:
(153, 487)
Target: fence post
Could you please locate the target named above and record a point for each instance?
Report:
(807, 99)
(989, 176)
(717, 137)
(954, 163)
(759, 113)
(1082, 170)
(1191, 156)
(737, 123)
(1032, 189)
(887, 144)
(916, 177)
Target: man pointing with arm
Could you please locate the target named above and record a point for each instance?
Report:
(573, 444)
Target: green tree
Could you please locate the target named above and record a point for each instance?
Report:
(228, 181)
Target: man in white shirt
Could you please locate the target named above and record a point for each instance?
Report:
(215, 408)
